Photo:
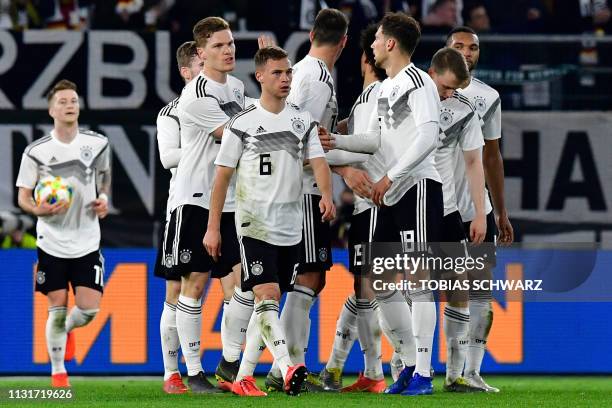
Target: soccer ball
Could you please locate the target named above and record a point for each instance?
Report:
(53, 190)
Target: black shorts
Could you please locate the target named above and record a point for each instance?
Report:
(185, 234)
(361, 231)
(53, 273)
(163, 260)
(487, 248)
(316, 255)
(263, 262)
(416, 217)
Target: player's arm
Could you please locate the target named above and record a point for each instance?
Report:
(494, 175)
(367, 142)
(26, 181)
(208, 115)
(227, 160)
(322, 174)
(103, 183)
(168, 141)
(357, 180)
(342, 127)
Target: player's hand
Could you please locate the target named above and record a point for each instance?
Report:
(327, 208)
(100, 207)
(379, 189)
(265, 41)
(212, 243)
(478, 229)
(46, 210)
(506, 233)
(328, 141)
(358, 181)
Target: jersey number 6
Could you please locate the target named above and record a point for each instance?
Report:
(265, 167)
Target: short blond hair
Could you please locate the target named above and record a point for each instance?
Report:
(206, 27)
(61, 86)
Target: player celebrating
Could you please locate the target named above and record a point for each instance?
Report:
(169, 143)
(359, 315)
(461, 134)
(267, 144)
(68, 235)
(312, 91)
(488, 105)
(205, 105)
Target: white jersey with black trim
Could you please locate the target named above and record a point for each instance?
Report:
(487, 103)
(204, 106)
(405, 102)
(169, 145)
(312, 90)
(460, 132)
(357, 123)
(268, 151)
(75, 233)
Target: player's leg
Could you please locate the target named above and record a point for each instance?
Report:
(87, 279)
(481, 310)
(253, 349)
(52, 281)
(192, 263)
(238, 309)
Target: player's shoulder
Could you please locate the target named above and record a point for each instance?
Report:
(234, 82)
(313, 70)
(170, 108)
(460, 103)
(38, 144)
(484, 89)
(90, 137)
(243, 119)
(415, 77)
(369, 93)
(295, 111)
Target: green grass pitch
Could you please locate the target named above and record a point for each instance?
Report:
(517, 391)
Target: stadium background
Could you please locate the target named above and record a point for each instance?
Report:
(556, 97)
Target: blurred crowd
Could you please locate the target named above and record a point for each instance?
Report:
(15, 230)
(436, 16)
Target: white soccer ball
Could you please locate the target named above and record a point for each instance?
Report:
(53, 190)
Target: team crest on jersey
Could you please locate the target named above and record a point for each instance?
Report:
(256, 268)
(322, 254)
(238, 95)
(86, 153)
(185, 256)
(394, 92)
(446, 117)
(480, 103)
(40, 277)
(168, 261)
(298, 125)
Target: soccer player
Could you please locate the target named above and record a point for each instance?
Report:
(312, 91)
(205, 105)
(359, 316)
(169, 144)
(488, 105)
(267, 144)
(68, 236)
(409, 193)
(461, 141)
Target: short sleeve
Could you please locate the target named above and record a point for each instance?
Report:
(28, 173)
(206, 114)
(492, 127)
(424, 103)
(471, 137)
(313, 98)
(104, 161)
(231, 148)
(313, 147)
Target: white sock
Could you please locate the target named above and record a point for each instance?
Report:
(481, 319)
(252, 350)
(456, 326)
(295, 319)
(423, 326)
(79, 317)
(396, 364)
(56, 338)
(273, 334)
(169, 340)
(397, 315)
(369, 338)
(236, 316)
(189, 326)
(346, 333)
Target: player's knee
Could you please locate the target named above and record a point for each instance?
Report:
(267, 292)
(172, 292)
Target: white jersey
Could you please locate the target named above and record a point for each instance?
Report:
(268, 150)
(488, 106)
(312, 90)
(357, 123)
(75, 233)
(460, 132)
(204, 106)
(169, 144)
(405, 102)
